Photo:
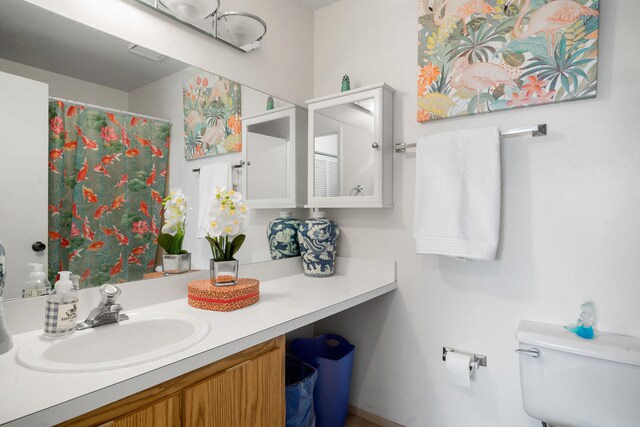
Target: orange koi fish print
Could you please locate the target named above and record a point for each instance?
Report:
(107, 175)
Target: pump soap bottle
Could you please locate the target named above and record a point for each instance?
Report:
(37, 285)
(61, 308)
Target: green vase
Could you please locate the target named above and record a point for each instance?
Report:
(346, 84)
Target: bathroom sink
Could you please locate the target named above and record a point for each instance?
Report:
(142, 338)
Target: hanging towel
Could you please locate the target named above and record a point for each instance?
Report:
(211, 176)
(457, 202)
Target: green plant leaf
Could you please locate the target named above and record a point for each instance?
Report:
(236, 244)
(166, 242)
(498, 92)
(514, 59)
(216, 249)
(476, 23)
(537, 46)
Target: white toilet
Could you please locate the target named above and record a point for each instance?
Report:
(568, 381)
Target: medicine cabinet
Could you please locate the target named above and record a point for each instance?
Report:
(274, 158)
(350, 149)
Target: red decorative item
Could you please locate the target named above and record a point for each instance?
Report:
(205, 296)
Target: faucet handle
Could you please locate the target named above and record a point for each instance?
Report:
(109, 293)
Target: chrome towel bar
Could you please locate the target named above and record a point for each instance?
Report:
(535, 130)
(237, 166)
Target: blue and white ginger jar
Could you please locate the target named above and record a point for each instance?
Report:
(318, 238)
(283, 236)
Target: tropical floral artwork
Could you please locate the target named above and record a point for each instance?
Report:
(478, 56)
(107, 177)
(212, 111)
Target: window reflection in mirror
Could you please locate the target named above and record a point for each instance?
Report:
(343, 153)
(326, 165)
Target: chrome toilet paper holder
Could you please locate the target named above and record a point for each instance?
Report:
(477, 360)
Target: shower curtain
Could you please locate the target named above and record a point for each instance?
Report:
(107, 175)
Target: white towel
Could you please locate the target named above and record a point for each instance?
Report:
(457, 202)
(211, 176)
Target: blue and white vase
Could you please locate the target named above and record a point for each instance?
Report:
(318, 238)
(283, 236)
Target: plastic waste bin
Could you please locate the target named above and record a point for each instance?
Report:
(300, 380)
(332, 356)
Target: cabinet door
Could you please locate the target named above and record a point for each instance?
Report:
(350, 149)
(164, 413)
(248, 394)
(23, 174)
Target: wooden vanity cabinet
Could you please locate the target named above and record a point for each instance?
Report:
(165, 412)
(245, 389)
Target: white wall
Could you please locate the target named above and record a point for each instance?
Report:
(570, 226)
(282, 66)
(62, 86)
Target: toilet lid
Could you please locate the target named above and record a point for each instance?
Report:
(607, 346)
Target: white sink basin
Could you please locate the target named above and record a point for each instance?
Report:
(142, 338)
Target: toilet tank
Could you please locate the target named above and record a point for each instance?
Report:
(576, 382)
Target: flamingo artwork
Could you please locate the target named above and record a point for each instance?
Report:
(549, 18)
(459, 10)
(477, 56)
(478, 76)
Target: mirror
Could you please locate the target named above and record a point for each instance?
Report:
(122, 108)
(343, 155)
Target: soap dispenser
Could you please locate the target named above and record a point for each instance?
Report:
(37, 284)
(61, 308)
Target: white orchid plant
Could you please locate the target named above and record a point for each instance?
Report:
(227, 217)
(175, 217)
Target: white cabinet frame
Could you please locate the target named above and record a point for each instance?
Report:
(383, 155)
(296, 149)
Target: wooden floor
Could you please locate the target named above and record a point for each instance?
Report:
(353, 421)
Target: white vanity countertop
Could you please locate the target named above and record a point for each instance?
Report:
(34, 398)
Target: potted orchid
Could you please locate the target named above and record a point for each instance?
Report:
(175, 260)
(226, 219)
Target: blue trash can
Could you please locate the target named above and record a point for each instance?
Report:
(332, 356)
(300, 380)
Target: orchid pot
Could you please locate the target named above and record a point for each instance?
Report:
(223, 273)
(226, 217)
(176, 260)
(176, 264)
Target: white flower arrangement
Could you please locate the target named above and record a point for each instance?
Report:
(175, 217)
(227, 217)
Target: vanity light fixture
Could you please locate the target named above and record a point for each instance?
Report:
(241, 30)
(191, 10)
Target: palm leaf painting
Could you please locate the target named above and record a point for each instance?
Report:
(479, 56)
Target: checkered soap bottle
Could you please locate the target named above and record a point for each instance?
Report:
(61, 309)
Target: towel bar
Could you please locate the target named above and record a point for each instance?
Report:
(535, 130)
(239, 165)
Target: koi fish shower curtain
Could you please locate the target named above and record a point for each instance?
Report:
(107, 175)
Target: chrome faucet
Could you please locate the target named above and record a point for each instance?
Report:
(107, 311)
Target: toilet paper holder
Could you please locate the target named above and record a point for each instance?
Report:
(477, 360)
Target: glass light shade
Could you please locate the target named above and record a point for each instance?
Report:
(192, 10)
(240, 29)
